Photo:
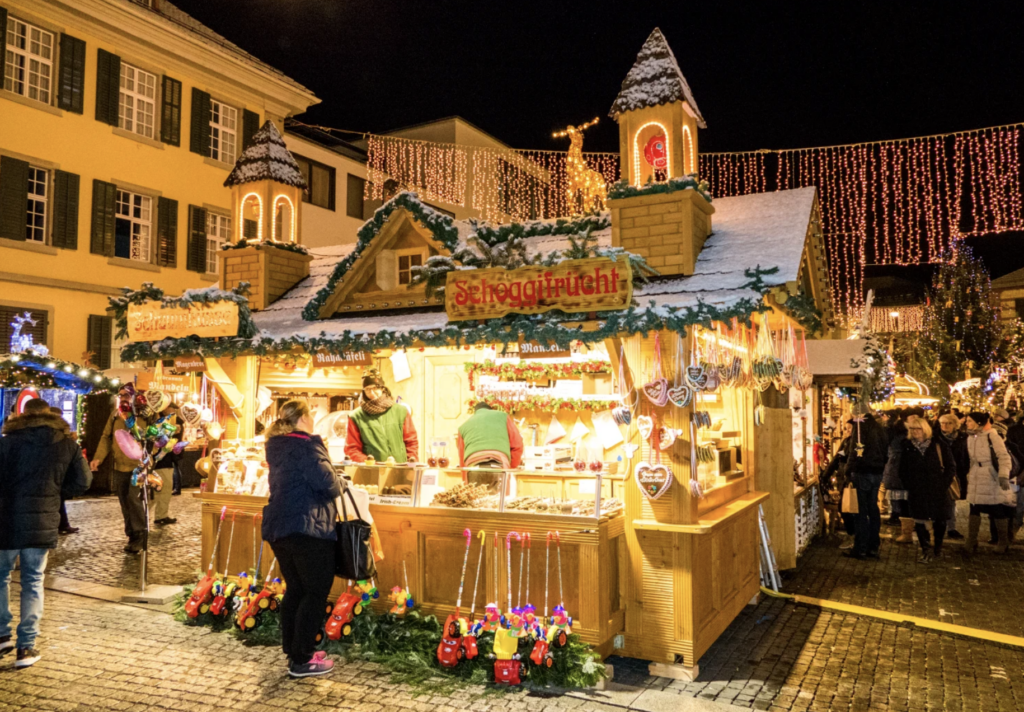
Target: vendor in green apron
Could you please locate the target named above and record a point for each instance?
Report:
(490, 438)
(380, 428)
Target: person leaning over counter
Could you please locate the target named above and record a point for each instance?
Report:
(380, 428)
(490, 436)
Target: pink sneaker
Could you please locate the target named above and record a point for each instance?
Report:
(320, 655)
(317, 665)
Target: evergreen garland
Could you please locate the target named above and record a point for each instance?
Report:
(623, 189)
(549, 328)
(534, 371)
(543, 403)
(801, 307)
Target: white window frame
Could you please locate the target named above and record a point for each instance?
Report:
(139, 214)
(33, 61)
(137, 97)
(421, 252)
(223, 132)
(38, 205)
(218, 233)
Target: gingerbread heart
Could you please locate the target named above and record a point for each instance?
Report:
(667, 436)
(713, 379)
(645, 424)
(697, 377)
(680, 395)
(657, 391)
(191, 414)
(653, 480)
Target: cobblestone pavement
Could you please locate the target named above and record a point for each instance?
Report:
(953, 590)
(95, 553)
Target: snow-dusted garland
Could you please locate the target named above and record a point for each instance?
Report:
(208, 295)
(445, 232)
(623, 189)
(286, 246)
(546, 328)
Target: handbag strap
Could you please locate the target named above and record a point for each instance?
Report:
(342, 510)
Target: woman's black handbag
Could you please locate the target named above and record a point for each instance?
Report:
(352, 556)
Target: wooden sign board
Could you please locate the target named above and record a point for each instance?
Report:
(151, 322)
(532, 349)
(590, 285)
(189, 364)
(167, 383)
(322, 359)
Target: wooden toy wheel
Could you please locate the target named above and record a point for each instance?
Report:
(562, 639)
(263, 604)
(346, 630)
(274, 604)
(549, 661)
(204, 608)
(460, 654)
(453, 629)
(249, 623)
(330, 607)
(357, 609)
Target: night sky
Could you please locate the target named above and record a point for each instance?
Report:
(765, 74)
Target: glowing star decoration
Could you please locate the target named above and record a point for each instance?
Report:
(586, 189)
(656, 153)
(22, 343)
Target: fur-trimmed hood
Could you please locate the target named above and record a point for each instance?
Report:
(279, 427)
(37, 420)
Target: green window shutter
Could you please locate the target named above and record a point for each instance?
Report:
(199, 140)
(3, 39)
(65, 210)
(13, 198)
(71, 83)
(108, 87)
(104, 198)
(196, 259)
(250, 125)
(99, 340)
(167, 232)
(170, 116)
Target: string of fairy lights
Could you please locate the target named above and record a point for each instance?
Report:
(902, 202)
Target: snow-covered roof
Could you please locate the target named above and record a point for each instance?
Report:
(763, 230)
(654, 79)
(266, 159)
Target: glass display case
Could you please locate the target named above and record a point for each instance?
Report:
(241, 469)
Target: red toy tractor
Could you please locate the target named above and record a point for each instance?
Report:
(507, 672)
(346, 608)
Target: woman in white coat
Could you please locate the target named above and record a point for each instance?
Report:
(988, 482)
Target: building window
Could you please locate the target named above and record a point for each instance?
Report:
(218, 233)
(354, 196)
(37, 331)
(223, 130)
(252, 217)
(137, 106)
(284, 220)
(133, 226)
(38, 204)
(28, 66)
(407, 259)
(319, 182)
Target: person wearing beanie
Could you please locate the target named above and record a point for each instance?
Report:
(1001, 421)
(380, 428)
(490, 437)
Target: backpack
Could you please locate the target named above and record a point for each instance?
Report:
(1016, 457)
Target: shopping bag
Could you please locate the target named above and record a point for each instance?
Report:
(352, 556)
(849, 505)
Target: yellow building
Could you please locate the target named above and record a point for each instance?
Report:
(119, 123)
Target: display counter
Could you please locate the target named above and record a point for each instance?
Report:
(414, 528)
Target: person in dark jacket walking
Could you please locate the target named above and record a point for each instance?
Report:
(927, 468)
(298, 522)
(956, 440)
(864, 468)
(65, 524)
(38, 463)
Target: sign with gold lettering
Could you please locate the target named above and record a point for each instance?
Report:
(150, 322)
(590, 285)
(532, 349)
(322, 359)
(189, 364)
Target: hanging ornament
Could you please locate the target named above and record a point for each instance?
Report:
(656, 389)
(653, 480)
(645, 424)
(667, 436)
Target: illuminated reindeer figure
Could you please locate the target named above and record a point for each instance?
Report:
(583, 180)
(21, 343)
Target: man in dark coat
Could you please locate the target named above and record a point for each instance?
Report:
(38, 463)
(864, 468)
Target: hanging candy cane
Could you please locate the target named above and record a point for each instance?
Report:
(508, 555)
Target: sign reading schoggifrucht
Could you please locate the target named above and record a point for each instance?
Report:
(150, 322)
(590, 285)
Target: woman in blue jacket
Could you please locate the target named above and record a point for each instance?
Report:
(298, 522)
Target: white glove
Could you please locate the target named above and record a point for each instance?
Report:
(1004, 483)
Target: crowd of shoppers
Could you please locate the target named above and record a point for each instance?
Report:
(926, 463)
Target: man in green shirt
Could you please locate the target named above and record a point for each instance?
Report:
(380, 428)
(490, 436)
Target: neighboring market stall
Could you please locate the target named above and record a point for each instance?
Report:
(671, 332)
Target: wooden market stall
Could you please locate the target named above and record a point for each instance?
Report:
(683, 417)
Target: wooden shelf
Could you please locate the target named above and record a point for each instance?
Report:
(708, 521)
(800, 490)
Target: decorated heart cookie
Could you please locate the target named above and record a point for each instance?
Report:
(697, 377)
(653, 480)
(680, 395)
(667, 436)
(645, 424)
(657, 391)
(191, 414)
(713, 379)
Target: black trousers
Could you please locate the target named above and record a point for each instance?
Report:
(939, 526)
(64, 523)
(307, 566)
(131, 506)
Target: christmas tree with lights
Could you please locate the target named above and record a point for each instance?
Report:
(961, 322)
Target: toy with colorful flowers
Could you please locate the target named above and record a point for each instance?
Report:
(368, 590)
(561, 624)
(490, 622)
(402, 598)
